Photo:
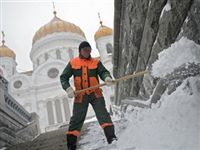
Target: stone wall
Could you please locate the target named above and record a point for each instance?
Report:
(142, 29)
(16, 124)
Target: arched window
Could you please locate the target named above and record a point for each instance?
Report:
(58, 55)
(109, 48)
(58, 111)
(50, 113)
(13, 70)
(46, 56)
(38, 62)
(4, 66)
(71, 55)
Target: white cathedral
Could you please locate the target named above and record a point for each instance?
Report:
(39, 90)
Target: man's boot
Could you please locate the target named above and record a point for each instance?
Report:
(110, 134)
(71, 142)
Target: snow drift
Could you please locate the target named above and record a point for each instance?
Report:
(174, 122)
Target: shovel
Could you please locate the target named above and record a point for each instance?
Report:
(134, 75)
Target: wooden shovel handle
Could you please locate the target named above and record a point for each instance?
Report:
(114, 81)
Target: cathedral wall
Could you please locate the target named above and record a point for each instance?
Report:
(101, 45)
(8, 64)
(43, 86)
(51, 43)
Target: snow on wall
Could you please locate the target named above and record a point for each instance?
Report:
(182, 51)
(166, 8)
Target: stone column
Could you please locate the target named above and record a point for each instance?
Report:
(54, 111)
(62, 110)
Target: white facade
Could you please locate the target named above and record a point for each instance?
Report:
(105, 47)
(9, 64)
(40, 90)
(3, 72)
(55, 46)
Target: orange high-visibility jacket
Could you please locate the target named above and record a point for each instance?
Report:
(85, 72)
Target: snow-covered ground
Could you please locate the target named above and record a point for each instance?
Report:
(171, 124)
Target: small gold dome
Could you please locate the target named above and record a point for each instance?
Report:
(102, 31)
(6, 52)
(56, 25)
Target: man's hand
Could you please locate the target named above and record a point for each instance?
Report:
(70, 92)
(109, 81)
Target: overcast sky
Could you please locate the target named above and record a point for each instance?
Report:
(20, 19)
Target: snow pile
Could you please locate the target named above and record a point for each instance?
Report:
(172, 124)
(182, 51)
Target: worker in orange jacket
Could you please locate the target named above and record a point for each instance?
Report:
(85, 71)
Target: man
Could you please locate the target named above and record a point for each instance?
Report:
(86, 70)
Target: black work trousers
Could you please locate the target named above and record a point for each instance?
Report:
(80, 111)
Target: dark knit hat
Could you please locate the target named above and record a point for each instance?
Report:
(84, 44)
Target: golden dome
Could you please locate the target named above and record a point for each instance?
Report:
(6, 52)
(102, 31)
(56, 25)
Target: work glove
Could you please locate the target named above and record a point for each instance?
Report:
(109, 81)
(70, 92)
